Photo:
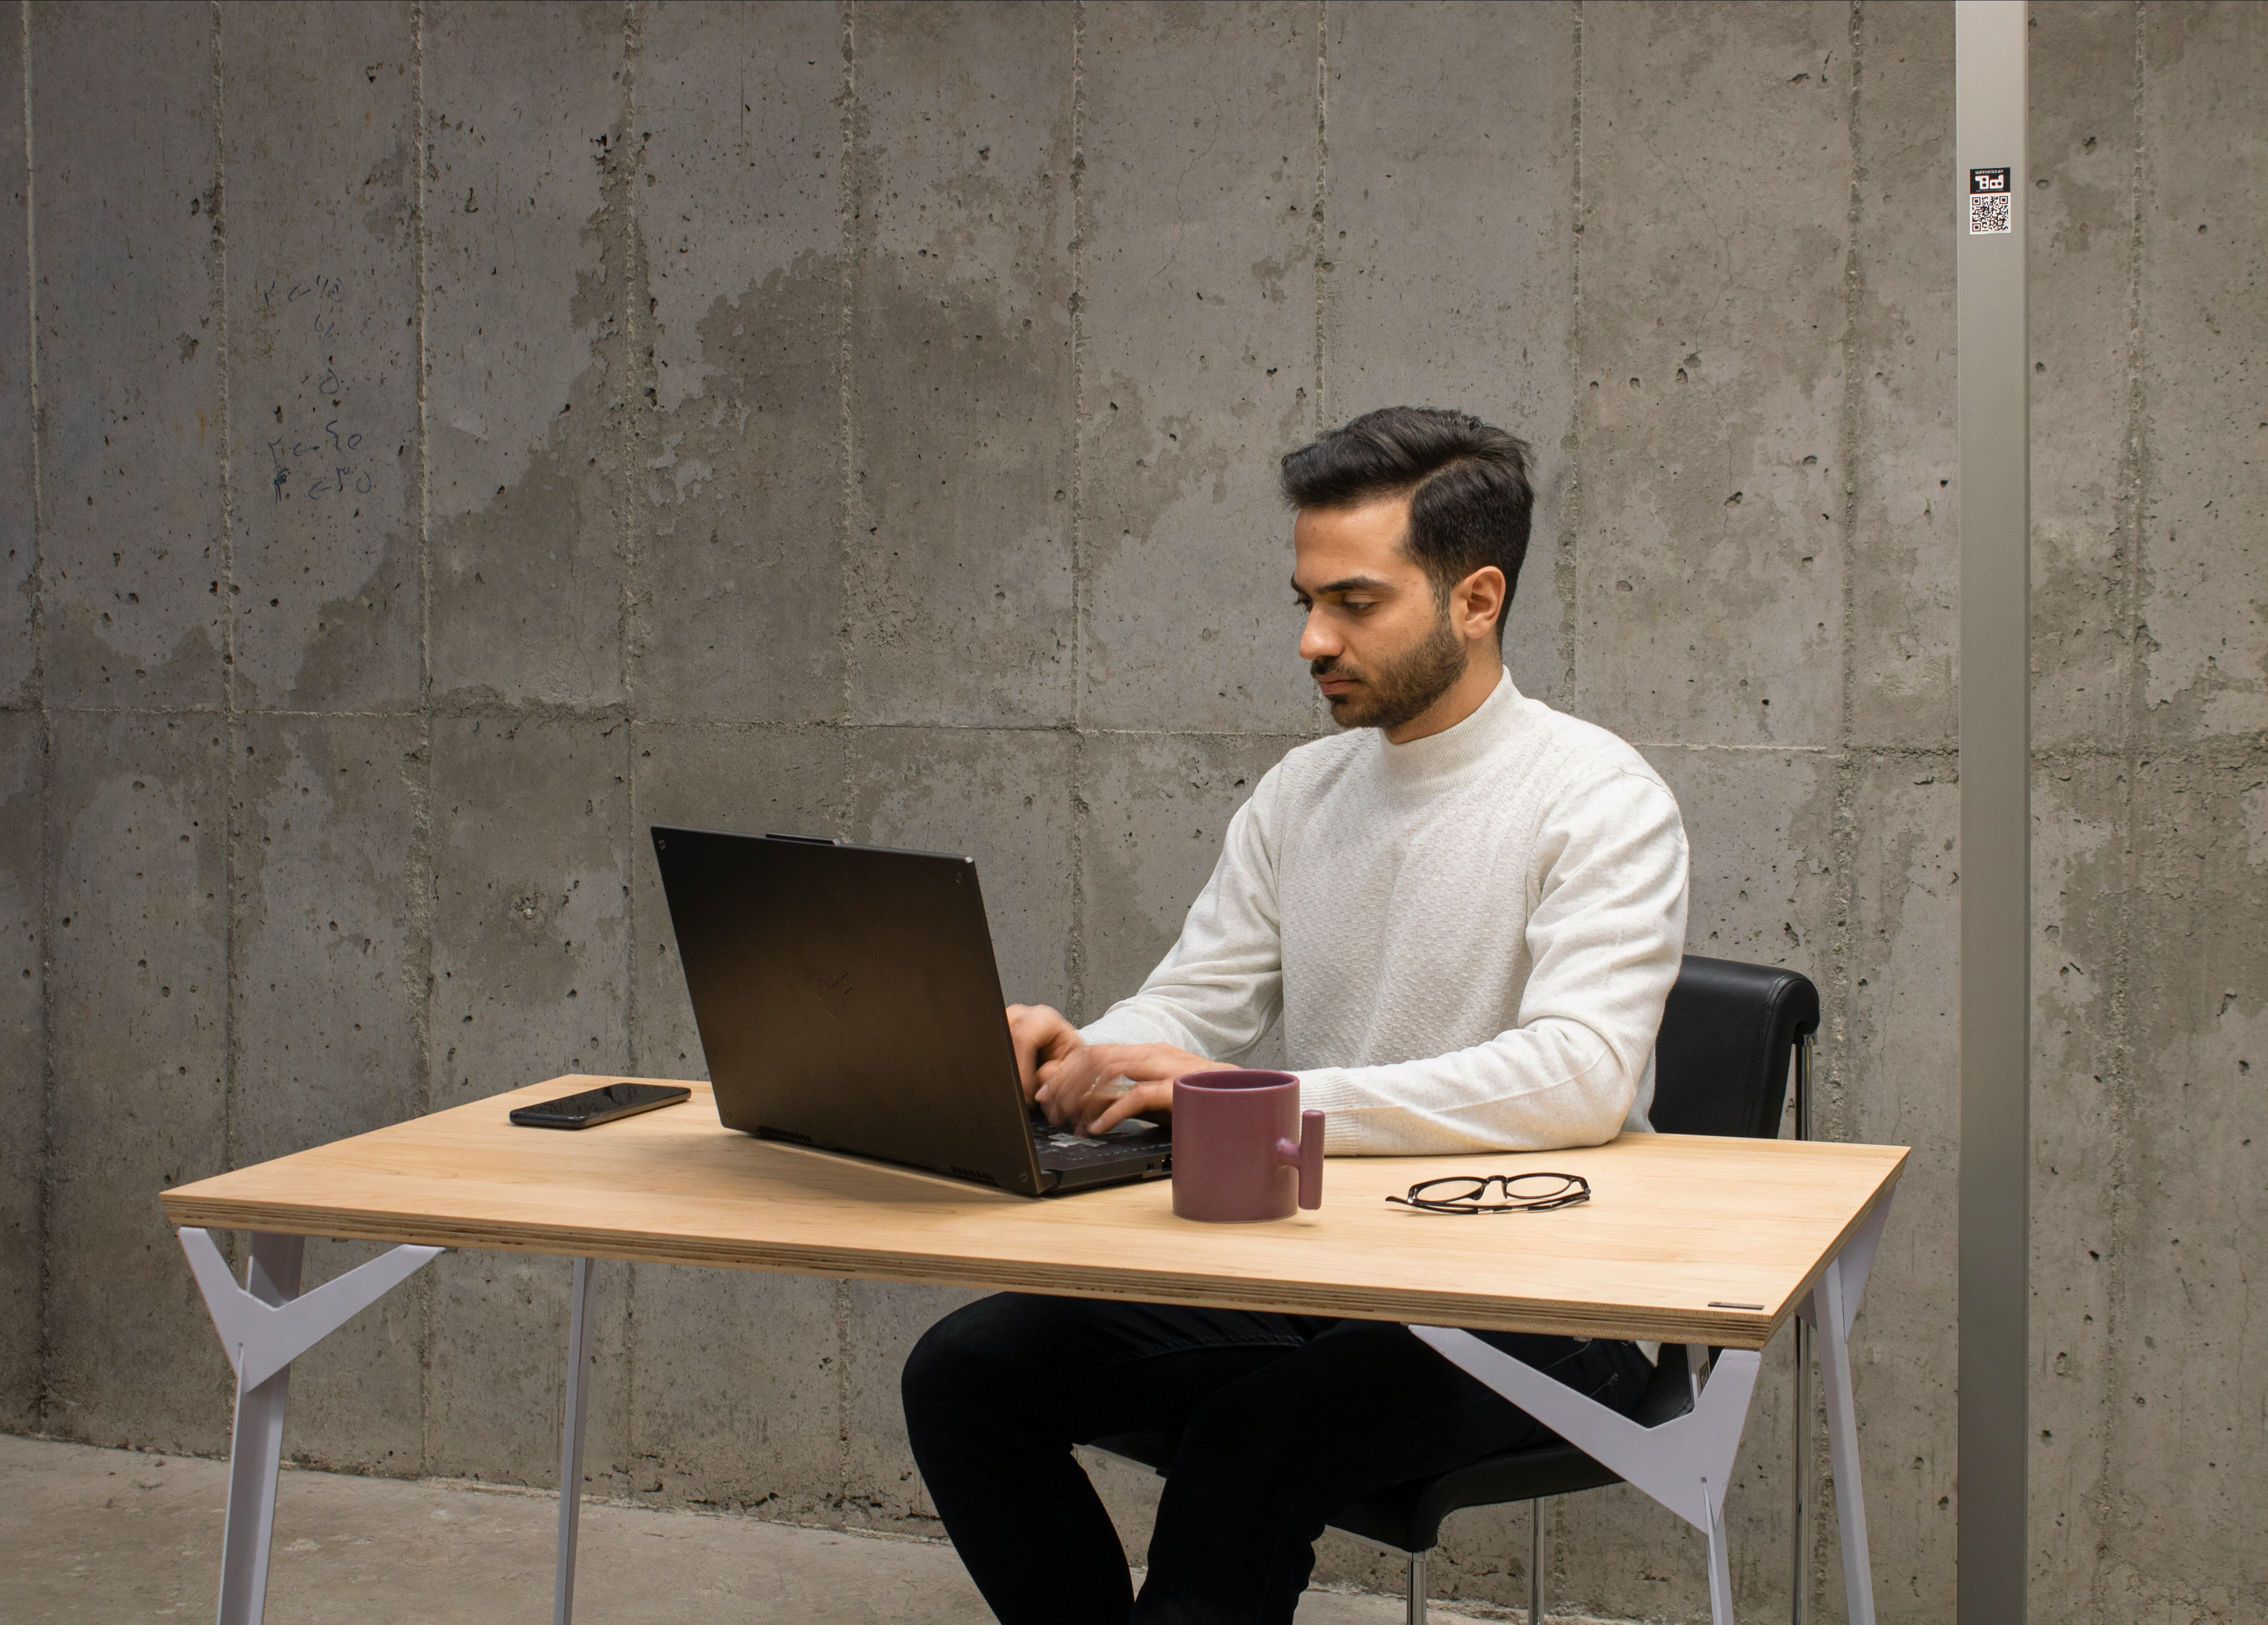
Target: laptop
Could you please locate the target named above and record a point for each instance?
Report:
(848, 999)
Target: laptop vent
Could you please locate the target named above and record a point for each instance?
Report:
(980, 1177)
(766, 1131)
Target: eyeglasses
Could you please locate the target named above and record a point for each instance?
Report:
(1468, 1193)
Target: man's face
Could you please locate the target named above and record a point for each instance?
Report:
(1378, 637)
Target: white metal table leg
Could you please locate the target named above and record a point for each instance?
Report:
(1835, 1311)
(256, 1449)
(1720, 1566)
(264, 1326)
(571, 1443)
(1686, 1463)
(1832, 1308)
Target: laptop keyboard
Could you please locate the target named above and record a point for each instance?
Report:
(1061, 1148)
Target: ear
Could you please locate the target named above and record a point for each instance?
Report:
(1476, 602)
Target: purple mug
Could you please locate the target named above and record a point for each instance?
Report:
(1234, 1157)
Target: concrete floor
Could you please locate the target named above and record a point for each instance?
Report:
(116, 1536)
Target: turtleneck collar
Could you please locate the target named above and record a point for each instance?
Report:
(1448, 753)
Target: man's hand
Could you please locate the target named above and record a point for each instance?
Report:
(1076, 1089)
(1042, 1038)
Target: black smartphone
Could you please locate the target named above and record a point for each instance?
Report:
(600, 1105)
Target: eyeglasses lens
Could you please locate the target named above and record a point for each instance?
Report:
(1453, 1190)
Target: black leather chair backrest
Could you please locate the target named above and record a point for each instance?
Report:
(1720, 1064)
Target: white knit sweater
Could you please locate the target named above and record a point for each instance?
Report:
(1470, 937)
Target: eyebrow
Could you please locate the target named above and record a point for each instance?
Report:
(1345, 583)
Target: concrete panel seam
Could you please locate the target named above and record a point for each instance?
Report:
(638, 426)
(848, 200)
(852, 257)
(1570, 516)
(1854, 288)
(32, 358)
(844, 1397)
(44, 1357)
(423, 902)
(1316, 239)
(2231, 749)
(228, 516)
(2134, 453)
(423, 234)
(1844, 834)
(1076, 969)
(625, 157)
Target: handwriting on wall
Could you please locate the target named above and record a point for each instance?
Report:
(325, 464)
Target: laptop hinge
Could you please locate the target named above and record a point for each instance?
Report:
(803, 839)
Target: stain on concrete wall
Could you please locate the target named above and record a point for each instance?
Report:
(440, 440)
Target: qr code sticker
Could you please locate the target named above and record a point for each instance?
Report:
(1988, 216)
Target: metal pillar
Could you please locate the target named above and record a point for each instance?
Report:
(1990, 184)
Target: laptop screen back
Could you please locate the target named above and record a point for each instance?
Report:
(847, 998)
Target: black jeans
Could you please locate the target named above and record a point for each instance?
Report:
(1283, 1420)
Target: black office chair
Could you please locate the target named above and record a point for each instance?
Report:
(1721, 1066)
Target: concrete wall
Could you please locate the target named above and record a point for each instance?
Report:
(448, 438)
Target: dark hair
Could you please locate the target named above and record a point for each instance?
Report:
(1468, 482)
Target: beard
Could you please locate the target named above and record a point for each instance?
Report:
(1402, 689)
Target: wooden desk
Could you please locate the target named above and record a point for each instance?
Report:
(1675, 1223)
(1689, 1241)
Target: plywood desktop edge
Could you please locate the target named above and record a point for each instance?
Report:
(1883, 1191)
(1720, 1329)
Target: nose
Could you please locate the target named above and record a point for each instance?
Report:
(1316, 639)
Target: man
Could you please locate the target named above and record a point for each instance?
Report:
(1468, 911)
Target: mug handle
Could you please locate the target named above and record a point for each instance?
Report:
(1308, 1158)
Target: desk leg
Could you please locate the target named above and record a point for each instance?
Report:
(571, 1443)
(256, 1449)
(1832, 1308)
(264, 1326)
(1799, 1528)
(1686, 1463)
(1721, 1567)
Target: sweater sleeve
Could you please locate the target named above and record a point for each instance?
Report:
(1604, 941)
(1219, 988)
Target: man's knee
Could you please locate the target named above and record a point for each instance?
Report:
(954, 1359)
(985, 1354)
